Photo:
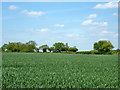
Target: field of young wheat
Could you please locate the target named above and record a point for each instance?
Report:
(40, 70)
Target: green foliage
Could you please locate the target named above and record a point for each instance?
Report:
(30, 46)
(19, 47)
(83, 52)
(44, 48)
(103, 47)
(59, 46)
(51, 49)
(69, 52)
(4, 47)
(73, 49)
(113, 52)
(116, 52)
(94, 52)
(41, 70)
(36, 49)
(65, 48)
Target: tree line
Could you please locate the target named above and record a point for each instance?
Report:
(31, 46)
(100, 47)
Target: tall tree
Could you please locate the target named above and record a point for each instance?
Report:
(44, 48)
(18, 46)
(58, 46)
(103, 46)
(65, 48)
(30, 46)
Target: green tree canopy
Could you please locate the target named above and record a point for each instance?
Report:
(58, 46)
(11, 47)
(19, 47)
(65, 48)
(4, 47)
(51, 49)
(30, 46)
(73, 49)
(103, 46)
(44, 48)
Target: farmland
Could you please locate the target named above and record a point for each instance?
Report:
(50, 70)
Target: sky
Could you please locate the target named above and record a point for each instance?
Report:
(79, 24)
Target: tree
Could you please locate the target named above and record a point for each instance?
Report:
(18, 46)
(33, 43)
(36, 49)
(51, 49)
(23, 48)
(4, 47)
(103, 47)
(11, 47)
(30, 46)
(73, 49)
(44, 48)
(65, 48)
(58, 46)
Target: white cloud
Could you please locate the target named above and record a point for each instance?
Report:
(100, 23)
(107, 5)
(37, 30)
(33, 13)
(92, 16)
(59, 25)
(44, 30)
(12, 7)
(90, 22)
(87, 22)
(108, 33)
(114, 14)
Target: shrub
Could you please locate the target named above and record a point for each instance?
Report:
(83, 52)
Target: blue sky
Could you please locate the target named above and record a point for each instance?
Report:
(79, 24)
